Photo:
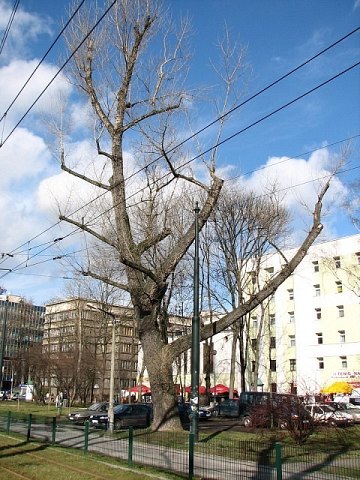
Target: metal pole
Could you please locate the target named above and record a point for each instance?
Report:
(112, 368)
(112, 365)
(195, 346)
(3, 340)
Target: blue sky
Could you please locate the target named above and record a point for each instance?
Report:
(278, 35)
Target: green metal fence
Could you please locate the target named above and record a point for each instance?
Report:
(212, 457)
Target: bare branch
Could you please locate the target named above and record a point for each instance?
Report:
(150, 242)
(105, 279)
(79, 175)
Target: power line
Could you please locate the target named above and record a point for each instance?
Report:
(217, 144)
(20, 266)
(58, 73)
(228, 138)
(41, 61)
(259, 196)
(8, 26)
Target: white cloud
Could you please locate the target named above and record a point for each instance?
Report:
(298, 182)
(12, 78)
(23, 157)
(26, 27)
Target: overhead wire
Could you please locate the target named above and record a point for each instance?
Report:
(214, 146)
(42, 60)
(214, 121)
(8, 26)
(58, 72)
(235, 134)
(78, 229)
(15, 271)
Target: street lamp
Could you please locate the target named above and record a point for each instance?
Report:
(195, 346)
(112, 366)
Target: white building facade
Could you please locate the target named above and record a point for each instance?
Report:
(312, 336)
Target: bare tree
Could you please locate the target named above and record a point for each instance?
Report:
(245, 226)
(131, 71)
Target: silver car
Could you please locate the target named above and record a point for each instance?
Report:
(353, 410)
(323, 413)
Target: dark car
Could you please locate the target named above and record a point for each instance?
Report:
(78, 417)
(185, 412)
(229, 408)
(125, 415)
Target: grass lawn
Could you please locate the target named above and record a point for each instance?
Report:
(36, 461)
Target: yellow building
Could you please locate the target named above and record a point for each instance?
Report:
(311, 336)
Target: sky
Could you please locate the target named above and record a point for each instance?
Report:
(289, 146)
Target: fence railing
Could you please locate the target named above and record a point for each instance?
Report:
(212, 457)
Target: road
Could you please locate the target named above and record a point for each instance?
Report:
(206, 465)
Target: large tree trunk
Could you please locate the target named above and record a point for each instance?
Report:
(159, 364)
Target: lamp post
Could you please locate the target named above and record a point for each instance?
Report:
(195, 346)
(112, 366)
(3, 340)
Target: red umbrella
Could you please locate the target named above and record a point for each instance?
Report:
(144, 389)
(202, 390)
(219, 389)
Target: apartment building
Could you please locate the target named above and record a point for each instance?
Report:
(78, 342)
(21, 327)
(310, 328)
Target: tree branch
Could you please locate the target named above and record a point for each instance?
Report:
(187, 239)
(105, 280)
(82, 177)
(148, 243)
(152, 113)
(85, 228)
(183, 343)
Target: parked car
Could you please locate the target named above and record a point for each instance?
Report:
(325, 414)
(355, 401)
(18, 396)
(204, 412)
(353, 410)
(78, 417)
(229, 408)
(125, 415)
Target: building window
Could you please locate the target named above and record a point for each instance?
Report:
(254, 321)
(339, 287)
(291, 294)
(292, 364)
(318, 313)
(358, 257)
(273, 387)
(272, 318)
(269, 270)
(292, 340)
(321, 363)
(316, 266)
(343, 362)
(253, 366)
(273, 365)
(342, 336)
(341, 311)
(317, 290)
(291, 317)
(252, 277)
(337, 262)
(319, 338)
(272, 342)
(254, 343)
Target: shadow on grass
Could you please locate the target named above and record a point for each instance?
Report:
(19, 449)
(317, 467)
